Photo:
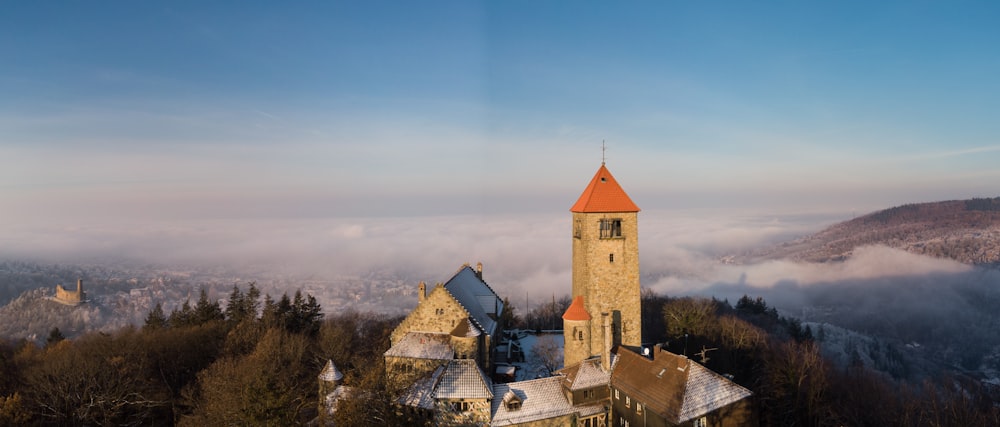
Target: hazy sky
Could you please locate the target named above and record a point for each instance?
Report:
(187, 110)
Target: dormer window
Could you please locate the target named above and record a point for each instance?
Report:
(611, 228)
(512, 401)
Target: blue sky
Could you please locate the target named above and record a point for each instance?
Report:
(187, 110)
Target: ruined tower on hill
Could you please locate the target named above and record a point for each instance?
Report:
(605, 265)
(69, 297)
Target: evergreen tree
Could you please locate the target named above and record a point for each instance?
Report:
(183, 317)
(156, 319)
(206, 311)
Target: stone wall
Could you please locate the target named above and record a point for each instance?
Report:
(606, 273)
(438, 312)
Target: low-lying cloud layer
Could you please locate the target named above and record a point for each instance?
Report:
(525, 254)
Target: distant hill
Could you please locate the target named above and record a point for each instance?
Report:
(967, 231)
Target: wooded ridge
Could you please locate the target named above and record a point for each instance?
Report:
(967, 231)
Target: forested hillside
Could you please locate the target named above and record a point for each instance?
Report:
(967, 231)
(255, 362)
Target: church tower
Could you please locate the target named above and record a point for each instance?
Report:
(606, 259)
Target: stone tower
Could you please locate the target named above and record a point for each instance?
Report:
(576, 333)
(606, 259)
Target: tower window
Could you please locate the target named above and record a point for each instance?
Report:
(611, 257)
(611, 228)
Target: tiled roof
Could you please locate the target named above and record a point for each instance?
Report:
(423, 345)
(540, 399)
(330, 372)
(476, 297)
(576, 311)
(421, 393)
(462, 379)
(673, 386)
(603, 194)
(586, 374)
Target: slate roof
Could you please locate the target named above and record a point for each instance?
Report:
(540, 399)
(576, 310)
(673, 386)
(584, 375)
(330, 372)
(603, 194)
(423, 345)
(462, 379)
(476, 297)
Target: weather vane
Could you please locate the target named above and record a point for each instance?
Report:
(604, 149)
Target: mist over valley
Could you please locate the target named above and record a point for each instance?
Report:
(934, 311)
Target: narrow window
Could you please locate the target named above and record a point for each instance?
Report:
(579, 335)
(611, 257)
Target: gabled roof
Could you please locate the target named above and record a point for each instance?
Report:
(576, 311)
(584, 375)
(603, 194)
(423, 345)
(421, 393)
(462, 379)
(330, 372)
(478, 299)
(540, 399)
(673, 386)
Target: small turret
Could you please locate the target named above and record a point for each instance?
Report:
(576, 333)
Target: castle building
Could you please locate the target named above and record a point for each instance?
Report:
(444, 347)
(605, 269)
(458, 319)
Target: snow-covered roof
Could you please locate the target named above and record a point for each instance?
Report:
(707, 391)
(421, 393)
(330, 372)
(673, 386)
(586, 374)
(423, 345)
(540, 399)
(462, 379)
(478, 299)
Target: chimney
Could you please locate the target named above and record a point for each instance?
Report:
(479, 270)
(606, 352)
(421, 292)
(657, 349)
(79, 285)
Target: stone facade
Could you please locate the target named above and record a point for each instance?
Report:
(437, 312)
(606, 273)
(462, 412)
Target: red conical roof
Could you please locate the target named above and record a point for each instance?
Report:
(603, 194)
(576, 310)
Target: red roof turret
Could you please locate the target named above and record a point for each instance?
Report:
(603, 194)
(576, 310)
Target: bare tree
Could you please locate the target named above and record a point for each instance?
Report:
(548, 352)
